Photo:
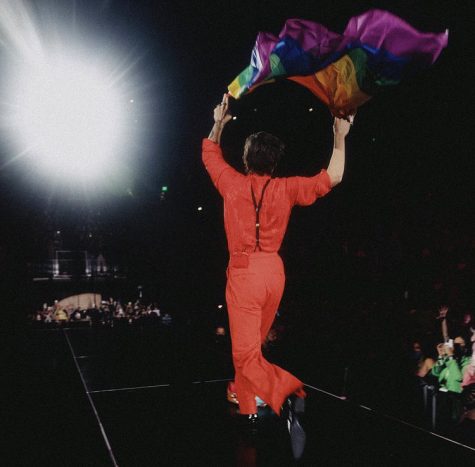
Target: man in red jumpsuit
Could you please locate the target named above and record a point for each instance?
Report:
(256, 213)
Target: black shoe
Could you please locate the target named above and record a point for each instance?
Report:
(295, 409)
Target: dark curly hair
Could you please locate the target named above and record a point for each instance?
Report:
(262, 152)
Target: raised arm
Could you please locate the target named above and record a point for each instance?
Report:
(221, 173)
(443, 310)
(221, 117)
(336, 166)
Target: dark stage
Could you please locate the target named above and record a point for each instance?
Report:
(156, 396)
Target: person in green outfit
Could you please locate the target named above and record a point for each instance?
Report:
(449, 369)
(451, 365)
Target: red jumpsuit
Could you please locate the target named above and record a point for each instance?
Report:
(256, 276)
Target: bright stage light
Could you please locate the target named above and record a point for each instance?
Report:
(70, 116)
(70, 110)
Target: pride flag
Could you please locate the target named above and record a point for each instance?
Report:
(377, 50)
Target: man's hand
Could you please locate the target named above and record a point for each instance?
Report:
(221, 115)
(342, 126)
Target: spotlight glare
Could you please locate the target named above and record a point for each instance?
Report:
(69, 115)
(71, 103)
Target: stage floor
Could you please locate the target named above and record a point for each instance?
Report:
(155, 396)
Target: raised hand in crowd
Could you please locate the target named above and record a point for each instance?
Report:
(443, 310)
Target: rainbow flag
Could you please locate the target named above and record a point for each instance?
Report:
(377, 50)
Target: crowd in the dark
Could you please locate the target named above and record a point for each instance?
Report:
(445, 373)
(106, 313)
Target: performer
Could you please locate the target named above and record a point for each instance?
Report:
(257, 208)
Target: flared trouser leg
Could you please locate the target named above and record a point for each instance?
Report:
(253, 295)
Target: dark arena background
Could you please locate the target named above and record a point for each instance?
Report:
(135, 372)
